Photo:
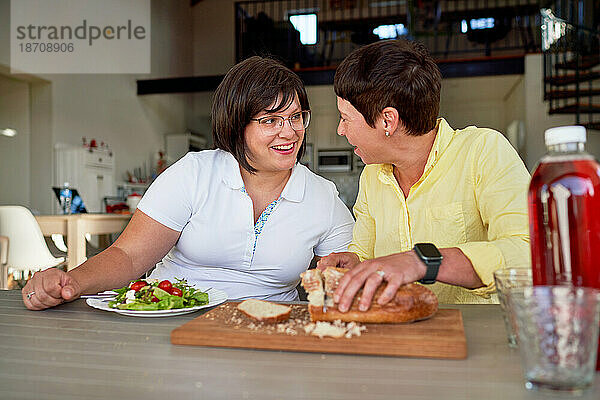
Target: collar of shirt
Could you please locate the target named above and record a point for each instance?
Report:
(443, 138)
(293, 190)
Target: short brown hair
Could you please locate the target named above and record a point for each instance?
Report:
(392, 73)
(250, 87)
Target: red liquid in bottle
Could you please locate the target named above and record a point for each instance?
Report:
(564, 222)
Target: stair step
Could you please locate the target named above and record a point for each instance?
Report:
(572, 109)
(568, 94)
(592, 125)
(562, 80)
(586, 62)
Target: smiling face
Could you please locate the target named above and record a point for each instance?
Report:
(273, 152)
(367, 140)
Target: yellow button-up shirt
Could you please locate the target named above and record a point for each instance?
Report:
(472, 195)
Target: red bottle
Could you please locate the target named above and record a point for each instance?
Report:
(564, 213)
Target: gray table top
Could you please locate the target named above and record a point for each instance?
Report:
(76, 352)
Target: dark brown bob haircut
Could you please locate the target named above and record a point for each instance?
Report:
(392, 73)
(251, 86)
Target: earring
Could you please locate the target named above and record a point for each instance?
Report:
(387, 133)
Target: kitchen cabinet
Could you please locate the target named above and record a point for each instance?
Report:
(90, 171)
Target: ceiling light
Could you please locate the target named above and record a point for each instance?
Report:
(8, 132)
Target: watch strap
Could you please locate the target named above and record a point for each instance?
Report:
(431, 273)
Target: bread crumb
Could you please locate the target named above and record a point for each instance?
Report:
(299, 323)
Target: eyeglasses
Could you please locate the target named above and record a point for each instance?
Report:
(273, 124)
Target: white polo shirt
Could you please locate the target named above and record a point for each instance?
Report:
(203, 196)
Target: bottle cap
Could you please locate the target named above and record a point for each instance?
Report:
(565, 134)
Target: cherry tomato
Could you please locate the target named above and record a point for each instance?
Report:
(166, 286)
(155, 299)
(176, 292)
(137, 286)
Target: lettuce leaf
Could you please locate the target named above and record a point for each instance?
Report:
(170, 302)
(137, 306)
(200, 297)
(121, 290)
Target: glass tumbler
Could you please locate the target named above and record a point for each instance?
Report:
(507, 279)
(558, 336)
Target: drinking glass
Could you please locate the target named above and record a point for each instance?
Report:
(507, 279)
(558, 336)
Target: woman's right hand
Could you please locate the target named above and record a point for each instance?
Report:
(50, 287)
(342, 260)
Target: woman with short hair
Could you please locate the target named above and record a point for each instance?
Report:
(437, 205)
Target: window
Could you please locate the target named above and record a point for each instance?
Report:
(306, 24)
(390, 31)
(477, 23)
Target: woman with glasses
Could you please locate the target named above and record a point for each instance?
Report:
(245, 218)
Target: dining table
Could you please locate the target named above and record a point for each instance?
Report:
(73, 351)
(75, 227)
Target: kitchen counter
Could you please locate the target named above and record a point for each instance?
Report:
(76, 352)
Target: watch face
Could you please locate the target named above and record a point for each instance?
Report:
(428, 250)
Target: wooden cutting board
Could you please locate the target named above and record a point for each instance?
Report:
(441, 336)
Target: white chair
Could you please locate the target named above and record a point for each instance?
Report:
(28, 250)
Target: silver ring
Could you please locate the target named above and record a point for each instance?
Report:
(380, 273)
(30, 295)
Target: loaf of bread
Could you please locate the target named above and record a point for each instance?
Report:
(265, 311)
(412, 302)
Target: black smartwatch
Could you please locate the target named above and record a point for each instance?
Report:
(432, 258)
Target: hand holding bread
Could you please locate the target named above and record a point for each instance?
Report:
(410, 302)
(396, 269)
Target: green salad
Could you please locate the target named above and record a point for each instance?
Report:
(152, 295)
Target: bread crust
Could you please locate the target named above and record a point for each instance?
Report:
(413, 302)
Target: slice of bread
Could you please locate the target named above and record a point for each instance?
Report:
(265, 311)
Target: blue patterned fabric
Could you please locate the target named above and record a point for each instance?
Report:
(260, 222)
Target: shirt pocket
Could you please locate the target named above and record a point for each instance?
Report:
(446, 224)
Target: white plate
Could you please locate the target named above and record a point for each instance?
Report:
(215, 297)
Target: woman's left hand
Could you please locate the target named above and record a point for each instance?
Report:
(397, 269)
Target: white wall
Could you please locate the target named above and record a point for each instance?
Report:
(214, 36)
(537, 118)
(514, 102)
(4, 32)
(213, 53)
(106, 107)
(41, 156)
(495, 101)
(14, 151)
(476, 101)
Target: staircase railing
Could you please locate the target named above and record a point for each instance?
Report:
(451, 29)
(571, 69)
